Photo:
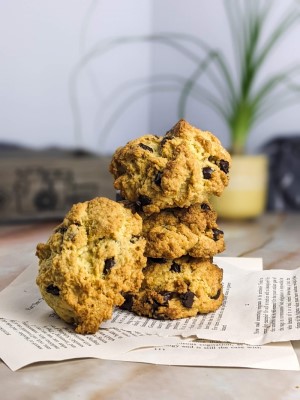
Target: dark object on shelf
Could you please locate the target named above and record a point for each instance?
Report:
(284, 173)
(36, 185)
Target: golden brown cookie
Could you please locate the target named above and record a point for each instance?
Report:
(92, 256)
(175, 232)
(178, 288)
(183, 167)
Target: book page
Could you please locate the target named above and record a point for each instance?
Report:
(35, 333)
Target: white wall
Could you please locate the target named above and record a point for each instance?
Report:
(49, 94)
(41, 42)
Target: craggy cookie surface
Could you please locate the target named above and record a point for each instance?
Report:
(179, 169)
(178, 288)
(176, 232)
(93, 255)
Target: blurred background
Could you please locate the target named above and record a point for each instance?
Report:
(42, 44)
(91, 75)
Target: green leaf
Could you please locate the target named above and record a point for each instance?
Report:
(227, 92)
(235, 93)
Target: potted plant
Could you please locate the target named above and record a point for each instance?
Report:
(246, 102)
(235, 93)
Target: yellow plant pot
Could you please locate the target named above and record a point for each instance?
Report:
(245, 196)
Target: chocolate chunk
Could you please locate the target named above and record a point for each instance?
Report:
(216, 296)
(137, 208)
(167, 295)
(128, 303)
(108, 264)
(158, 303)
(187, 299)
(141, 202)
(175, 267)
(205, 206)
(165, 139)
(53, 290)
(217, 233)
(145, 147)
(157, 260)
(155, 306)
(144, 200)
(157, 179)
(133, 207)
(207, 172)
(224, 166)
(61, 229)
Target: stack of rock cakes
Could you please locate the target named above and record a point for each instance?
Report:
(168, 181)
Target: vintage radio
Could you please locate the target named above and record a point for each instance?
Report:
(45, 184)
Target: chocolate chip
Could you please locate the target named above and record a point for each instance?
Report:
(145, 147)
(167, 295)
(108, 264)
(133, 207)
(61, 229)
(224, 166)
(175, 267)
(128, 303)
(217, 233)
(155, 306)
(137, 207)
(157, 179)
(187, 299)
(53, 290)
(205, 206)
(216, 296)
(144, 200)
(141, 202)
(157, 260)
(207, 171)
(165, 139)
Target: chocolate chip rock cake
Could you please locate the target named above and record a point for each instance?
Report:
(93, 256)
(176, 232)
(181, 168)
(177, 288)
